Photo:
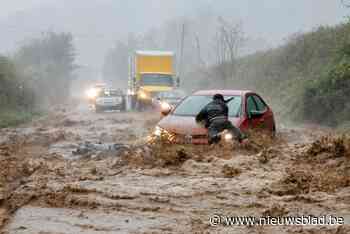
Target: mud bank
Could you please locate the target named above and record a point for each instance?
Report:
(160, 188)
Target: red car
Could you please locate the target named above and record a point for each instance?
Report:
(247, 110)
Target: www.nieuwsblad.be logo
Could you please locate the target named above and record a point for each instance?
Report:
(216, 220)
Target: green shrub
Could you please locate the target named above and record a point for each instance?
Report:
(11, 117)
(326, 100)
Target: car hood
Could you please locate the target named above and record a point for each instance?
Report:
(186, 125)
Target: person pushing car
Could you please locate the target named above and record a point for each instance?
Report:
(215, 117)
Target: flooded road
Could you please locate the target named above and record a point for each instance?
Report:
(75, 171)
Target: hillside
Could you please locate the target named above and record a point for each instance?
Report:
(307, 79)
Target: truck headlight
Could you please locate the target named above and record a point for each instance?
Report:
(143, 95)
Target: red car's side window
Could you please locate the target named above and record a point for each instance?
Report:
(251, 105)
(260, 103)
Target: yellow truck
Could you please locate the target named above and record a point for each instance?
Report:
(151, 72)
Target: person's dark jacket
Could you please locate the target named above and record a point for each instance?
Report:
(215, 110)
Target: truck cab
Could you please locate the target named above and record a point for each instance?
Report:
(151, 72)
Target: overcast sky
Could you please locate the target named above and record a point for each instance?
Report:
(9, 7)
(99, 22)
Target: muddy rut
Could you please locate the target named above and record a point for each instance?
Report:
(75, 171)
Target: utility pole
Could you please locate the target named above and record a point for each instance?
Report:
(182, 50)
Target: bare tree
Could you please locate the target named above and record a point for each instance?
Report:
(346, 3)
(149, 39)
(50, 61)
(228, 40)
(200, 60)
(116, 63)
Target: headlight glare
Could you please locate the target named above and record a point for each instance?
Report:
(228, 136)
(143, 95)
(158, 131)
(165, 106)
(91, 93)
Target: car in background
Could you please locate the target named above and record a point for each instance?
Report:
(172, 98)
(92, 92)
(110, 99)
(247, 110)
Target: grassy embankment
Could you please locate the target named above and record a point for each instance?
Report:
(11, 117)
(307, 79)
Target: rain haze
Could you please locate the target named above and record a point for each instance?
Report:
(96, 25)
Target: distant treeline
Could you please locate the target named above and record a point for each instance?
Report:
(36, 77)
(307, 79)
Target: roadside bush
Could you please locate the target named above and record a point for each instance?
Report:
(326, 100)
(16, 98)
(36, 77)
(12, 117)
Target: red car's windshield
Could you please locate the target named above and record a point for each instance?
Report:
(192, 105)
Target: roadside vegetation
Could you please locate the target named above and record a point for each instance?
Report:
(36, 77)
(16, 98)
(307, 79)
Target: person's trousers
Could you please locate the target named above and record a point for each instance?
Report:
(217, 126)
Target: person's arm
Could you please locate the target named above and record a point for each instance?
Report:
(202, 115)
(225, 107)
(228, 100)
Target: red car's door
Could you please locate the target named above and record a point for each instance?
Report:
(267, 118)
(253, 121)
(258, 113)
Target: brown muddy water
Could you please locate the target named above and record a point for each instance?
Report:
(64, 174)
